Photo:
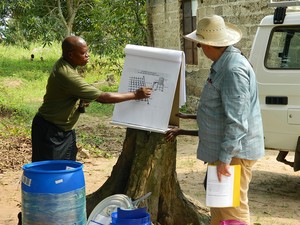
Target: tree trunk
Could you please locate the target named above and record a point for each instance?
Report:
(150, 35)
(148, 164)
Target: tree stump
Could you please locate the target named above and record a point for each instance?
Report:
(148, 164)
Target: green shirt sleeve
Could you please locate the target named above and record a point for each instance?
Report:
(64, 89)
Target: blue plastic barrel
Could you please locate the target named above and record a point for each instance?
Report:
(53, 192)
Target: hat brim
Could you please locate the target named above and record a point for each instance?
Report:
(234, 35)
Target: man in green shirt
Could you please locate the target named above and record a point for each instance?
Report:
(53, 136)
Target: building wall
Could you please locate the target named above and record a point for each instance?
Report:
(167, 23)
(167, 27)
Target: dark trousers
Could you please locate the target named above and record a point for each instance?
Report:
(50, 142)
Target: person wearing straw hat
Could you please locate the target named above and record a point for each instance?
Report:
(228, 116)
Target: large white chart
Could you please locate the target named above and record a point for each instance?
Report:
(161, 69)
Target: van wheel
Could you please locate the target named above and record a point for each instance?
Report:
(297, 157)
(281, 158)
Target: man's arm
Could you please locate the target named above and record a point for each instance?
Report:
(115, 97)
(172, 133)
(186, 116)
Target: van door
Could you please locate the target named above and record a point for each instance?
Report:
(278, 77)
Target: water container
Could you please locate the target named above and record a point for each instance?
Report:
(53, 192)
(132, 216)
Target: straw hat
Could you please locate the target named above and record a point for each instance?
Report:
(214, 31)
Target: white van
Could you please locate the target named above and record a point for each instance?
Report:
(275, 56)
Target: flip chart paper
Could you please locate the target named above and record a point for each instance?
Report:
(159, 69)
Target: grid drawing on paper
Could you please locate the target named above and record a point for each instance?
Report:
(135, 83)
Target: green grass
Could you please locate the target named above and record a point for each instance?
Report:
(22, 85)
(23, 82)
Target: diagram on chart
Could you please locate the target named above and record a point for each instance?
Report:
(157, 84)
(159, 69)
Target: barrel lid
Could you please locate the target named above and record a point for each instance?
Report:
(53, 166)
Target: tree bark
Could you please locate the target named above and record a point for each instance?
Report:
(148, 164)
(68, 19)
(150, 35)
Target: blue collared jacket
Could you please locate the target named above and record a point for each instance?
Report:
(228, 115)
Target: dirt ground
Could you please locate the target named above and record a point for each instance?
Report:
(274, 192)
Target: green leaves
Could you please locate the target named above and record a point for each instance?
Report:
(112, 24)
(107, 25)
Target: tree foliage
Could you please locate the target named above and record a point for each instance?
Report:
(114, 23)
(107, 25)
(35, 20)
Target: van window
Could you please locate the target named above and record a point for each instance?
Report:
(284, 48)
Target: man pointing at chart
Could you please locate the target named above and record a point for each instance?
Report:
(53, 135)
(228, 115)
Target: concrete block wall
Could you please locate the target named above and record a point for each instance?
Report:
(245, 14)
(167, 24)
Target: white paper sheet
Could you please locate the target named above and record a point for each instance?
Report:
(151, 67)
(219, 194)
